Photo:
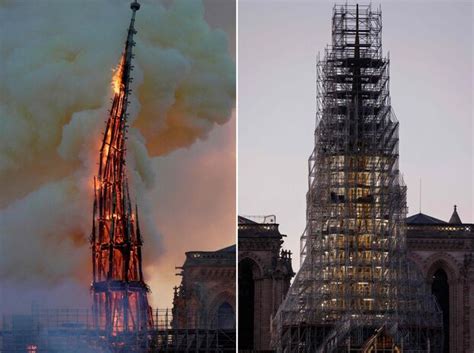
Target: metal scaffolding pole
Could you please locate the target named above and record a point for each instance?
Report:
(74, 331)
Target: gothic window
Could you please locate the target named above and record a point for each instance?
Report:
(225, 317)
(246, 304)
(440, 289)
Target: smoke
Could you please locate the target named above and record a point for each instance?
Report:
(57, 59)
(74, 344)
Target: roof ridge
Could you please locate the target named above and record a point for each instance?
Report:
(421, 218)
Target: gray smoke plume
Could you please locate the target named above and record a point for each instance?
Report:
(57, 60)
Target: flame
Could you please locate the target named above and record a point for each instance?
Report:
(107, 144)
(117, 78)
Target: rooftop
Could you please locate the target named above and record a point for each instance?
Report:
(221, 257)
(422, 218)
(229, 249)
(267, 219)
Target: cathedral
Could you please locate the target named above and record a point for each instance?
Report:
(205, 298)
(371, 279)
(442, 250)
(264, 278)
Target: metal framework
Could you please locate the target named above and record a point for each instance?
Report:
(74, 331)
(119, 291)
(356, 291)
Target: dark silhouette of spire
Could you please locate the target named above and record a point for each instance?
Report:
(455, 219)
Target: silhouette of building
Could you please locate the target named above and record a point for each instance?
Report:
(205, 298)
(444, 253)
(264, 278)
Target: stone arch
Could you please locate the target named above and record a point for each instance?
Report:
(217, 302)
(251, 271)
(442, 261)
(440, 289)
(259, 268)
(447, 263)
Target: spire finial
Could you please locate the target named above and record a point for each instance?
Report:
(135, 6)
(455, 219)
(420, 195)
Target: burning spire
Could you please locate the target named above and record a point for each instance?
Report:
(119, 290)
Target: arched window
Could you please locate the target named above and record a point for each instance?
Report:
(225, 317)
(246, 303)
(440, 289)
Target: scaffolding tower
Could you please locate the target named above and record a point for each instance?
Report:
(356, 291)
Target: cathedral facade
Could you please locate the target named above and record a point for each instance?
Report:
(444, 252)
(205, 298)
(264, 278)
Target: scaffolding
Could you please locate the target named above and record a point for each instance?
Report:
(74, 331)
(356, 291)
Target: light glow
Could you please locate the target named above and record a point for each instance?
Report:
(117, 78)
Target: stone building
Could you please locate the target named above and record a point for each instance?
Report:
(442, 250)
(444, 253)
(264, 278)
(206, 297)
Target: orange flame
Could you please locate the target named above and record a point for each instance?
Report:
(117, 78)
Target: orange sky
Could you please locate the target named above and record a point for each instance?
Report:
(55, 97)
(197, 212)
